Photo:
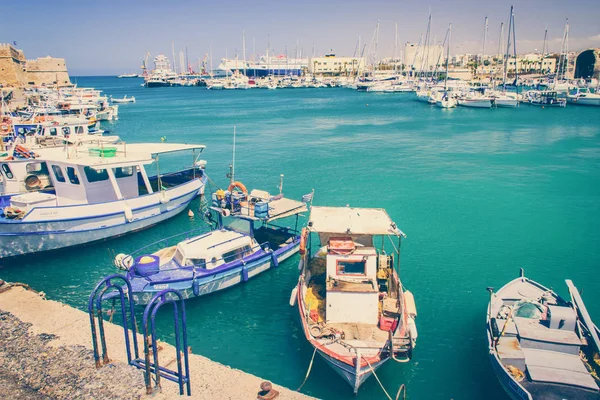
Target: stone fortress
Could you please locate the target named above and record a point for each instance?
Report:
(18, 72)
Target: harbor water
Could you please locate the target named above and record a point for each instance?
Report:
(479, 193)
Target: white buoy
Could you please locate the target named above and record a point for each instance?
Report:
(190, 214)
(293, 296)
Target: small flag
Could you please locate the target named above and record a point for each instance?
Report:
(307, 198)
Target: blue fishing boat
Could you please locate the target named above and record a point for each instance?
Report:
(242, 243)
(542, 346)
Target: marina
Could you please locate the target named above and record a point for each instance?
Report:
(513, 169)
(358, 229)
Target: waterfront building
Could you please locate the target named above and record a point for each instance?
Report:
(17, 71)
(335, 66)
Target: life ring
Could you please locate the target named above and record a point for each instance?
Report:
(303, 237)
(238, 185)
(5, 128)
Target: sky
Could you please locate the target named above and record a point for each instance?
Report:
(112, 37)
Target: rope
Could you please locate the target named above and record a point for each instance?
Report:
(309, 368)
(401, 389)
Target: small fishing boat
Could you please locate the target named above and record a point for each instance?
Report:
(96, 193)
(584, 97)
(125, 99)
(133, 75)
(353, 308)
(545, 98)
(542, 346)
(243, 243)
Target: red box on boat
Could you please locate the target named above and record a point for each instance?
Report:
(387, 324)
(314, 315)
(341, 245)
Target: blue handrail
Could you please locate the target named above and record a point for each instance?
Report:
(181, 377)
(97, 296)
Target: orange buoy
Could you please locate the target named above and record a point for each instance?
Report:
(303, 238)
(238, 185)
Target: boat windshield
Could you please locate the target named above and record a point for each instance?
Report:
(237, 225)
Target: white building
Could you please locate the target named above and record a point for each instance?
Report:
(332, 65)
(416, 56)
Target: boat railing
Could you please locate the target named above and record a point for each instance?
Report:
(195, 267)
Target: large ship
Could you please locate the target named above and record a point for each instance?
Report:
(161, 73)
(266, 65)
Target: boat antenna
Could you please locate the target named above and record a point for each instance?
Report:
(232, 175)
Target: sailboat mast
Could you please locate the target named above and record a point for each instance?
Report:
(174, 61)
(244, 50)
(395, 46)
(507, 50)
(232, 178)
(447, 58)
(485, 32)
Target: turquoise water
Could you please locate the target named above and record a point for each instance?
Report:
(480, 194)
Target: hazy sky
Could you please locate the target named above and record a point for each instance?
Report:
(109, 37)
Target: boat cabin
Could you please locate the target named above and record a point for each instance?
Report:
(355, 271)
(77, 175)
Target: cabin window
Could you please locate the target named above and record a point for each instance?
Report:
(58, 173)
(123, 172)
(66, 130)
(53, 132)
(72, 174)
(351, 267)
(95, 175)
(79, 129)
(236, 254)
(196, 262)
(7, 171)
(37, 168)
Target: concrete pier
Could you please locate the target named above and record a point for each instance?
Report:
(63, 332)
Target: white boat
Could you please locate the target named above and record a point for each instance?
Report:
(475, 101)
(505, 99)
(542, 346)
(98, 193)
(353, 308)
(52, 133)
(243, 243)
(545, 98)
(128, 76)
(447, 101)
(125, 99)
(584, 97)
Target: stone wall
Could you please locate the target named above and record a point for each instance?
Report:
(48, 71)
(587, 64)
(16, 71)
(12, 66)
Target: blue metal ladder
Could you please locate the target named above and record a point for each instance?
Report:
(112, 288)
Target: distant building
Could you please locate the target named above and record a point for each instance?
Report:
(17, 71)
(421, 59)
(335, 66)
(587, 64)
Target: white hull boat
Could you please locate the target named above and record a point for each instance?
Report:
(95, 194)
(483, 102)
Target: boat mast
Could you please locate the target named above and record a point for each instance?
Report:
(395, 47)
(232, 174)
(507, 50)
(485, 32)
(500, 49)
(244, 50)
(174, 61)
(447, 59)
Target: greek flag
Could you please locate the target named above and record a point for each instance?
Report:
(307, 198)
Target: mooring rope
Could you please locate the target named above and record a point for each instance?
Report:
(400, 389)
(309, 368)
